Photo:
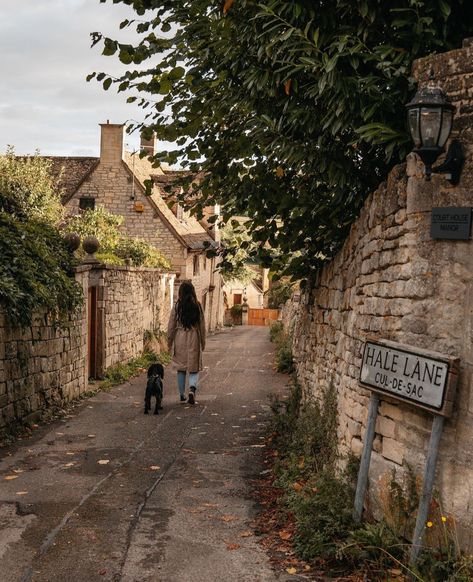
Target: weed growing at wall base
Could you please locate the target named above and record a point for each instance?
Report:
(120, 373)
(317, 498)
(283, 341)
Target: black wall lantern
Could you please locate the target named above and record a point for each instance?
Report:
(430, 116)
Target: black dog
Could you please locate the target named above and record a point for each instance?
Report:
(154, 387)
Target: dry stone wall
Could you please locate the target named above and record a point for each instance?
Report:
(46, 365)
(130, 301)
(392, 281)
(41, 365)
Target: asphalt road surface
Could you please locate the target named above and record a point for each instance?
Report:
(109, 494)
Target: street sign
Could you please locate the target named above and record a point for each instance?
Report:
(405, 374)
(423, 378)
(452, 223)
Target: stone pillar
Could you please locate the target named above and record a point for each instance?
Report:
(244, 314)
(172, 278)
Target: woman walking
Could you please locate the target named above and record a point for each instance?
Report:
(186, 339)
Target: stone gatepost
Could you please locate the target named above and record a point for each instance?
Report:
(244, 313)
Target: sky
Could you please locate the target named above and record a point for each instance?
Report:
(45, 56)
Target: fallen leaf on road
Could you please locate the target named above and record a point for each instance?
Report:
(233, 546)
(91, 436)
(227, 518)
(70, 454)
(103, 461)
(102, 572)
(22, 492)
(10, 477)
(60, 433)
(246, 534)
(18, 470)
(69, 464)
(285, 535)
(155, 468)
(297, 486)
(253, 416)
(291, 570)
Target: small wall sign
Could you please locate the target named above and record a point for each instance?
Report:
(452, 223)
(423, 378)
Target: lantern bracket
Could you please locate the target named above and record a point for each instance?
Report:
(453, 164)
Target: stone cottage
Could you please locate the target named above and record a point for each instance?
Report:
(116, 181)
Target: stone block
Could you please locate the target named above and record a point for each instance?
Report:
(392, 450)
(385, 426)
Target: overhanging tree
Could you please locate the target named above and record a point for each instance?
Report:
(292, 111)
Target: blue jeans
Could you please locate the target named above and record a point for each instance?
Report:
(181, 381)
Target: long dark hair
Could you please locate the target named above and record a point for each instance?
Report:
(188, 310)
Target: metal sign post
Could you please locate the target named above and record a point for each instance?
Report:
(422, 378)
(366, 457)
(427, 488)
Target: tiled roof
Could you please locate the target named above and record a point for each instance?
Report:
(71, 173)
(191, 232)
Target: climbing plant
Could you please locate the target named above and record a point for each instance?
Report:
(292, 112)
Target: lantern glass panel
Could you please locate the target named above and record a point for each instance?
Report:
(430, 120)
(414, 126)
(446, 128)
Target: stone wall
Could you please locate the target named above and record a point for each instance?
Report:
(42, 365)
(392, 281)
(130, 301)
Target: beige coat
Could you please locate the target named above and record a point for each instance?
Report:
(186, 345)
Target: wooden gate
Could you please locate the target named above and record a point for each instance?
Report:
(262, 316)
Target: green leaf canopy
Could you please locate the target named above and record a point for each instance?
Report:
(292, 112)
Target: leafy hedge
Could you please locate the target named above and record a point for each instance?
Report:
(36, 270)
(115, 247)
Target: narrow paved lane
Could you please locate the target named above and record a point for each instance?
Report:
(111, 494)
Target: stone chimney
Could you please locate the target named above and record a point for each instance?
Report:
(111, 143)
(148, 145)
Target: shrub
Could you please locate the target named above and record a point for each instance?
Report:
(28, 189)
(275, 331)
(279, 293)
(115, 248)
(36, 271)
(140, 253)
(122, 372)
(101, 223)
(283, 341)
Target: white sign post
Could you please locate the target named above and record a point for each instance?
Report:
(420, 378)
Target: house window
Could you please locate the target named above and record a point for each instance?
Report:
(237, 297)
(196, 265)
(87, 203)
